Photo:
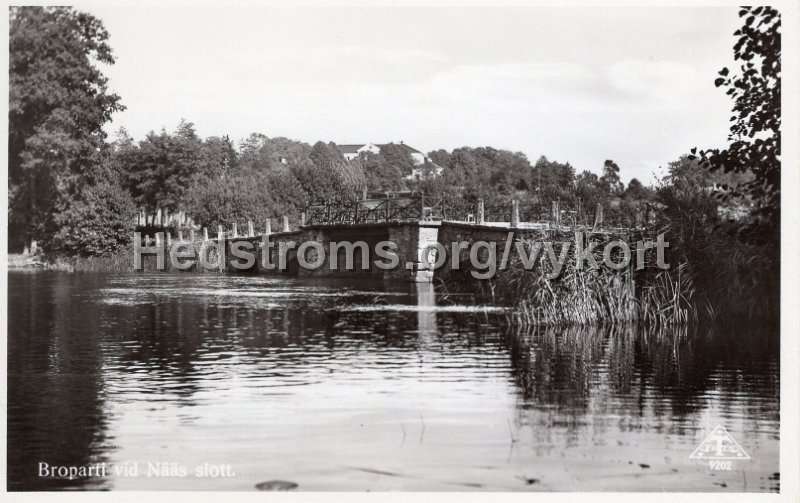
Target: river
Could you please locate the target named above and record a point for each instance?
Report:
(221, 382)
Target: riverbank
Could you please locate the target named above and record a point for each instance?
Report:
(121, 262)
(23, 260)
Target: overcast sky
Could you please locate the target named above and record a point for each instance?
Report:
(575, 84)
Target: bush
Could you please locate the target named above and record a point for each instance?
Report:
(96, 221)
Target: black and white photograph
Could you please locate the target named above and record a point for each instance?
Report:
(402, 248)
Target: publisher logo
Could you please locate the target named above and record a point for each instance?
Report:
(720, 445)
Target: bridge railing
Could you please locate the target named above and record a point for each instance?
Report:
(401, 209)
(421, 208)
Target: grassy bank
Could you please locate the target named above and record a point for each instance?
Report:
(120, 261)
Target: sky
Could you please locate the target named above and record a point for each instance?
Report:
(578, 85)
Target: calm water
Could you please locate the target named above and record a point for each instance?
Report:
(345, 386)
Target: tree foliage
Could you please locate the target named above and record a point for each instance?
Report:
(610, 179)
(58, 103)
(755, 137)
(93, 216)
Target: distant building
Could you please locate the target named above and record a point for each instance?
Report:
(351, 151)
(422, 165)
(425, 170)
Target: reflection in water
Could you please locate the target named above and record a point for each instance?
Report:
(336, 385)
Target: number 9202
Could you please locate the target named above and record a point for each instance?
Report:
(720, 465)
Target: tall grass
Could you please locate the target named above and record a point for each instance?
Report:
(120, 261)
(710, 279)
(575, 297)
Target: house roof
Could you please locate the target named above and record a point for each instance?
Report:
(350, 148)
(410, 150)
(353, 148)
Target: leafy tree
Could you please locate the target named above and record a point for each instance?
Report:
(469, 170)
(590, 192)
(253, 153)
(187, 160)
(95, 218)
(397, 158)
(58, 103)
(325, 154)
(553, 181)
(510, 171)
(268, 153)
(120, 156)
(166, 165)
(237, 198)
(337, 180)
(286, 151)
(611, 180)
(755, 137)
(440, 157)
(220, 157)
(381, 174)
(635, 191)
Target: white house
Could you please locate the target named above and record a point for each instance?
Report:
(351, 151)
(423, 166)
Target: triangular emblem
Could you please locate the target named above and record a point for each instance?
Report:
(719, 445)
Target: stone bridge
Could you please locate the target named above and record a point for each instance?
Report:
(368, 224)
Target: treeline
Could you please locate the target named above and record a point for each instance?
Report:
(219, 182)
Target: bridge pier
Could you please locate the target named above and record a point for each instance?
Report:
(413, 241)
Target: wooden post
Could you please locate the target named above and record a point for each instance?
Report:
(219, 234)
(205, 234)
(481, 213)
(250, 231)
(268, 227)
(158, 217)
(235, 231)
(598, 215)
(514, 213)
(285, 223)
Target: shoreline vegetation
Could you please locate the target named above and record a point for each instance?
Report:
(76, 195)
(713, 278)
(723, 280)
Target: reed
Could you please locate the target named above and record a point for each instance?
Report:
(585, 296)
(122, 261)
(712, 278)
(575, 297)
